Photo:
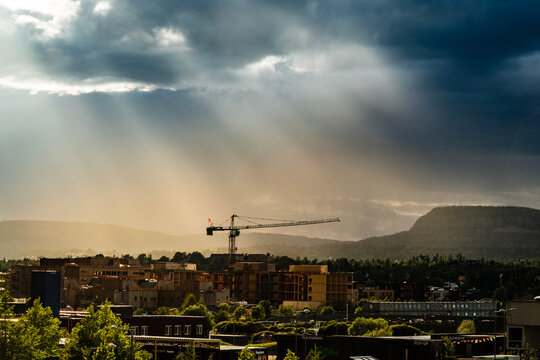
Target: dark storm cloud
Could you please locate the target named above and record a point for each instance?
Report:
(459, 52)
(448, 41)
(377, 99)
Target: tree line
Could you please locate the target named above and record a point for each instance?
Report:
(507, 280)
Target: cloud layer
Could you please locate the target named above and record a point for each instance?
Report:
(162, 114)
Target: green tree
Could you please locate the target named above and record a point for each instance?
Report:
(314, 354)
(404, 330)
(139, 311)
(384, 331)
(224, 306)
(179, 257)
(221, 315)
(267, 306)
(163, 310)
(199, 309)
(257, 313)
(291, 356)
(466, 327)
(246, 354)
(327, 310)
(39, 322)
(145, 259)
(500, 295)
(34, 336)
(189, 300)
(449, 352)
(100, 336)
(530, 353)
(240, 312)
(286, 310)
(368, 326)
(6, 313)
(188, 354)
(334, 328)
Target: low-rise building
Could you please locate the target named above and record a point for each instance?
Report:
(169, 325)
(463, 309)
(523, 324)
(381, 292)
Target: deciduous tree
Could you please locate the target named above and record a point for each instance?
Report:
(466, 327)
(101, 335)
(286, 310)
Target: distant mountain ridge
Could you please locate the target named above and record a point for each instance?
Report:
(34, 238)
(490, 232)
(467, 218)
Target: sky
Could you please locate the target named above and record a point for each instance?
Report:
(160, 115)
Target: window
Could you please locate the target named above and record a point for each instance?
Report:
(515, 337)
(187, 329)
(199, 329)
(168, 330)
(144, 330)
(133, 330)
(177, 329)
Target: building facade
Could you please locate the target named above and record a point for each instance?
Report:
(467, 309)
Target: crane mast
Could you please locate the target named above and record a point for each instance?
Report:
(234, 230)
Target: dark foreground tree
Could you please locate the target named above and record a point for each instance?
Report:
(102, 336)
(35, 336)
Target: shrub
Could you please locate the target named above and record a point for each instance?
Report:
(327, 310)
(466, 327)
(262, 336)
(405, 330)
(334, 328)
(286, 310)
(221, 315)
(367, 326)
(240, 312)
(239, 327)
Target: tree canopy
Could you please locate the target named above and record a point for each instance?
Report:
(369, 327)
(466, 327)
(35, 335)
(101, 335)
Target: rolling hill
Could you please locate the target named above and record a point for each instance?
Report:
(27, 238)
(501, 233)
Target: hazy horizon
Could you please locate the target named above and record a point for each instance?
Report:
(161, 115)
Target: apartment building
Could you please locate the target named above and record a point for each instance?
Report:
(19, 280)
(381, 292)
(301, 284)
(313, 285)
(123, 281)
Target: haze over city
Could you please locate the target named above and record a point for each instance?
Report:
(160, 115)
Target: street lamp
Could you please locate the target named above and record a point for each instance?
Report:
(131, 334)
(505, 311)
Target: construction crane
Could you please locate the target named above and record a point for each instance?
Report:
(234, 230)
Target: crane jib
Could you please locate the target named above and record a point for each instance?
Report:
(234, 230)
